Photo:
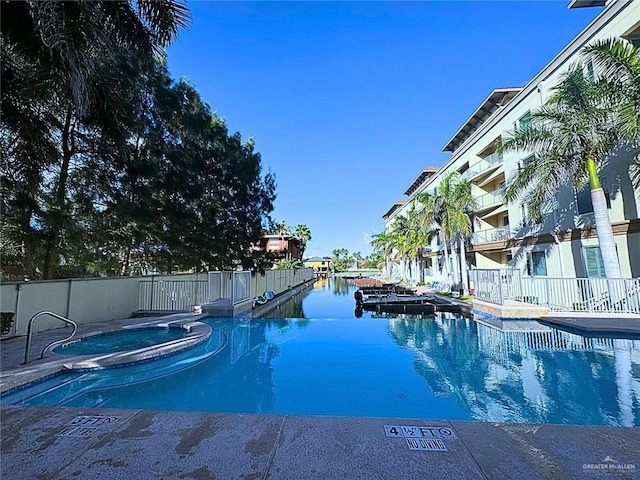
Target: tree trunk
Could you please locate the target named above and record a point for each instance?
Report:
(463, 267)
(445, 266)
(604, 231)
(59, 205)
(454, 260)
(605, 234)
(603, 224)
(127, 259)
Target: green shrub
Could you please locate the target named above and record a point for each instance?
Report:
(6, 322)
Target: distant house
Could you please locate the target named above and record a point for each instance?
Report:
(319, 264)
(286, 245)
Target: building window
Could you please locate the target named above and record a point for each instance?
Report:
(509, 260)
(593, 264)
(524, 121)
(583, 197)
(536, 264)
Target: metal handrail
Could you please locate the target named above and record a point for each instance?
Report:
(52, 344)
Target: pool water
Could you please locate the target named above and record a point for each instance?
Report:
(316, 358)
(125, 340)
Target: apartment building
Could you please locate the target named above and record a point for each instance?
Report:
(564, 244)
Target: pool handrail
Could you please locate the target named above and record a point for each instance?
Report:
(52, 344)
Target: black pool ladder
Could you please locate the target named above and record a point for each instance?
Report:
(52, 344)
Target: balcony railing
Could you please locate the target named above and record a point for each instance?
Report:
(491, 235)
(491, 198)
(482, 165)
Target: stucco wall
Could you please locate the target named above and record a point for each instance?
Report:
(87, 300)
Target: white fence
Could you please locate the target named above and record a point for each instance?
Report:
(234, 285)
(171, 295)
(618, 295)
(83, 300)
(86, 300)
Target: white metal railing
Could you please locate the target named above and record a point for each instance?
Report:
(617, 295)
(214, 286)
(604, 295)
(491, 235)
(496, 285)
(171, 295)
(234, 285)
(241, 286)
(497, 196)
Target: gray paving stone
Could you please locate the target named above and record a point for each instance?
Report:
(507, 451)
(177, 445)
(181, 445)
(31, 447)
(357, 448)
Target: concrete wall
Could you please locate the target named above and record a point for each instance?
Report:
(278, 281)
(86, 300)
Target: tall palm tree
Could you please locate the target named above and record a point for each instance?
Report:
(570, 137)
(303, 235)
(282, 229)
(617, 63)
(384, 244)
(460, 205)
(450, 210)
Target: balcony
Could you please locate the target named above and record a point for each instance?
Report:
(491, 235)
(489, 199)
(482, 166)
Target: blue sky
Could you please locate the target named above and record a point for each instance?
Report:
(349, 102)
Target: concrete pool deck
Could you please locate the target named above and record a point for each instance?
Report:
(73, 443)
(81, 443)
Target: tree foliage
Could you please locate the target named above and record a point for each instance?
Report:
(571, 137)
(341, 260)
(108, 165)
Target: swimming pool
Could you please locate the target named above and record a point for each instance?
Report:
(327, 362)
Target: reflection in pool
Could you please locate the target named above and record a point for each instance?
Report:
(330, 363)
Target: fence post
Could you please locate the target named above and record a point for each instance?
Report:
(521, 286)
(152, 289)
(17, 308)
(627, 301)
(500, 296)
(69, 298)
(548, 291)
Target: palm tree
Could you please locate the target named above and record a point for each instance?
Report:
(282, 229)
(450, 209)
(617, 63)
(303, 235)
(570, 137)
(384, 244)
(460, 205)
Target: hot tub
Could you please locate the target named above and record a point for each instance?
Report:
(122, 340)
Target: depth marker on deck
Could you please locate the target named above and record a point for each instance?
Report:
(422, 438)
